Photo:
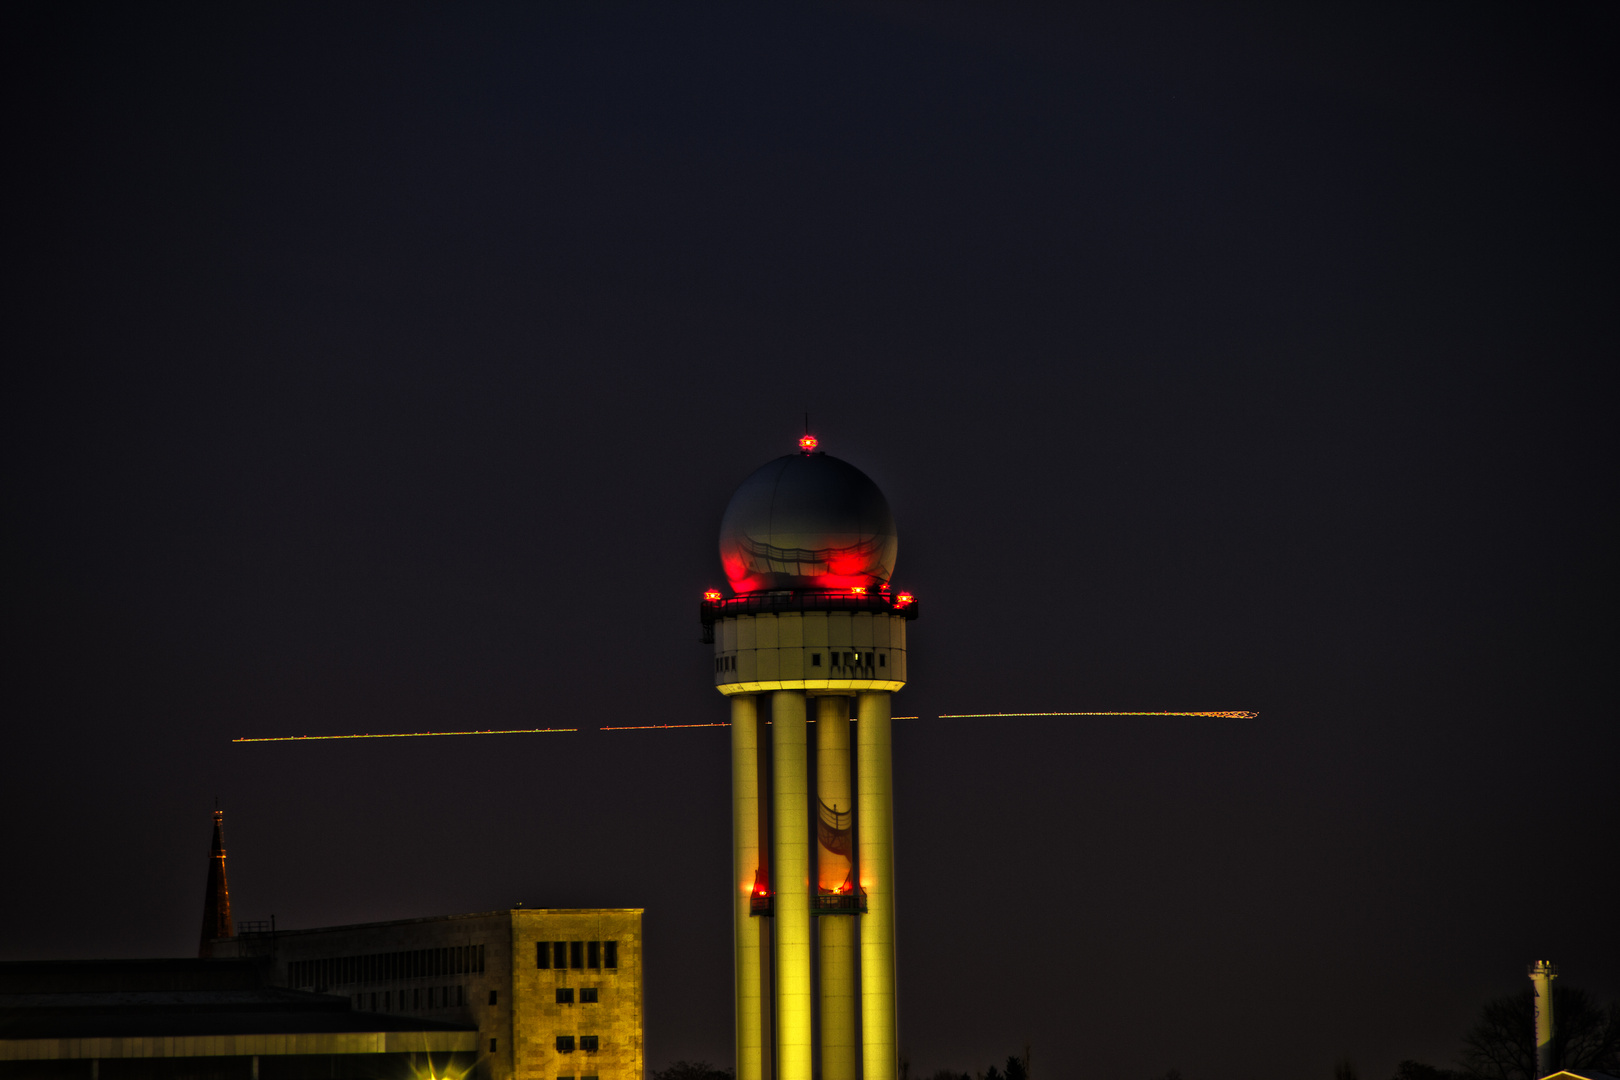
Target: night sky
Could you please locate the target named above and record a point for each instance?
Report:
(388, 368)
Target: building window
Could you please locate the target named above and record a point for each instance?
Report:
(542, 954)
(587, 1043)
(374, 1001)
(492, 1046)
(565, 995)
(565, 1044)
(587, 995)
(492, 997)
(610, 954)
(593, 954)
(559, 954)
(815, 659)
(416, 998)
(587, 1078)
(883, 659)
(576, 954)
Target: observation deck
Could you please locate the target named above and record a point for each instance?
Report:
(715, 608)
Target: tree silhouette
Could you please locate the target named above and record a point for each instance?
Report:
(1502, 1043)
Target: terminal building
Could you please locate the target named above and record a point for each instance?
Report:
(516, 994)
(552, 993)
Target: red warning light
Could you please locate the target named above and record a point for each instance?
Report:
(905, 599)
(808, 442)
(858, 590)
(711, 594)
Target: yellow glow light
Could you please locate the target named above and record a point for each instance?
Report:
(404, 734)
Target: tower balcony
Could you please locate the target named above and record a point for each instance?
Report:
(847, 903)
(714, 607)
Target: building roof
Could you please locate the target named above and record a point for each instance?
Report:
(131, 999)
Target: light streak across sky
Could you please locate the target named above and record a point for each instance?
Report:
(657, 727)
(404, 735)
(1229, 715)
(1234, 715)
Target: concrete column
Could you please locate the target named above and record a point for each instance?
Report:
(1542, 973)
(880, 1040)
(836, 933)
(745, 841)
(790, 877)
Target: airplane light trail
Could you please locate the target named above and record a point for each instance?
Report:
(658, 727)
(404, 735)
(990, 715)
(1233, 715)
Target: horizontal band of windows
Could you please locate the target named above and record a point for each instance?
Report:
(387, 967)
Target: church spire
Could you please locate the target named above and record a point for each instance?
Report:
(217, 903)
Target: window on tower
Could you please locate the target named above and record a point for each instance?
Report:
(542, 954)
(588, 1043)
(610, 954)
(576, 954)
(587, 995)
(565, 995)
(815, 659)
(559, 954)
(593, 954)
(565, 1044)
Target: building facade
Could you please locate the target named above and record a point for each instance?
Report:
(554, 993)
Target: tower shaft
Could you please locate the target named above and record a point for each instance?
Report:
(880, 1046)
(746, 875)
(791, 879)
(835, 866)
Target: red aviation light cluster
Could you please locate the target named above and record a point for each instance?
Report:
(808, 442)
(711, 595)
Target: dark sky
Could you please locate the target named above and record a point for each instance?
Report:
(388, 368)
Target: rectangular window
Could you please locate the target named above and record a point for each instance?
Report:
(461, 995)
(416, 999)
(565, 995)
(373, 1002)
(815, 659)
(593, 954)
(610, 954)
(492, 997)
(492, 1046)
(883, 659)
(587, 1078)
(542, 954)
(587, 995)
(576, 954)
(587, 1043)
(565, 1044)
(559, 954)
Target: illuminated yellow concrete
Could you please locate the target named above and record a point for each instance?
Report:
(790, 878)
(880, 1048)
(1542, 974)
(836, 933)
(745, 862)
(758, 654)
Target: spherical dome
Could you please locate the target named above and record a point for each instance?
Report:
(807, 521)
